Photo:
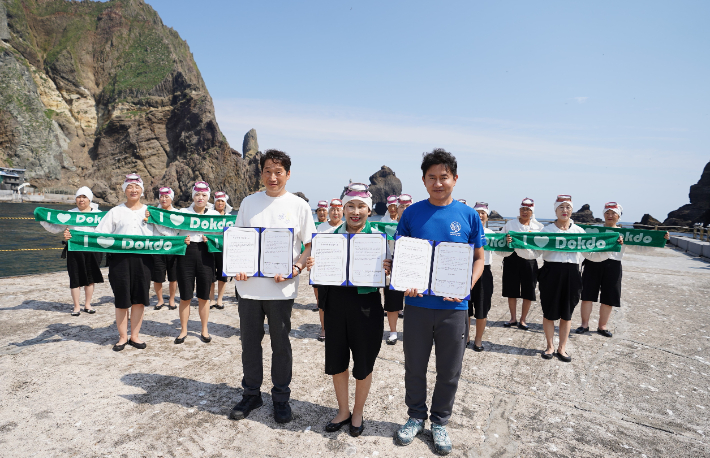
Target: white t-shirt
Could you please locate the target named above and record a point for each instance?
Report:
(121, 220)
(286, 211)
(514, 225)
(195, 236)
(487, 254)
(57, 228)
(387, 219)
(560, 256)
(327, 228)
(603, 256)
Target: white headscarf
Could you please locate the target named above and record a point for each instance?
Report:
(220, 195)
(133, 178)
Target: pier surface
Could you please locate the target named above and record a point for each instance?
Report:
(644, 392)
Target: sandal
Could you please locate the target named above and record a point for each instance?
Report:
(172, 307)
(508, 324)
(548, 355)
(76, 313)
(158, 306)
(522, 326)
(89, 311)
(219, 306)
(321, 338)
(581, 330)
(604, 332)
(561, 357)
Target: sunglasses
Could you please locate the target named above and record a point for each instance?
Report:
(564, 198)
(611, 205)
(358, 190)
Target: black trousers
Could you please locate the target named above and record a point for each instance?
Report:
(449, 331)
(251, 316)
(519, 277)
(195, 268)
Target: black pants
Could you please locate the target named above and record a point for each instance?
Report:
(480, 303)
(129, 276)
(195, 268)
(519, 277)
(354, 323)
(449, 331)
(560, 290)
(84, 268)
(604, 276)
(251, 316)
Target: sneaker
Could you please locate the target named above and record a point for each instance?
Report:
(246, 405)
(406, 434)
(442, 442)
(282, 412)
(391, 340)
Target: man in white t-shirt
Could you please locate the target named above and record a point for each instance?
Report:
(271, 298)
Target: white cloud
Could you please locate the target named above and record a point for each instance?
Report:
(581, 99)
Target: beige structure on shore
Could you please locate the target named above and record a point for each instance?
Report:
(644, 392)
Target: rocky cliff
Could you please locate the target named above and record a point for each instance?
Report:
(585, 216)
(383, 183)
(91, 91)
(698, 210)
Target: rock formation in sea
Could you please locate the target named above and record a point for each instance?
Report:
(91, 91)
(250, 146)
(495, 215)
(383, 183)
(647, 220)
(698, 210)
(584, 216)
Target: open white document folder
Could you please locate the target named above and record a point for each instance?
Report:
(349, 259)
(433, 268)
(258, 251)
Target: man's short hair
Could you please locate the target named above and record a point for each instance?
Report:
(436, 157)
(277, 157)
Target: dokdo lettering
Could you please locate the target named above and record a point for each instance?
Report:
(190, 221)
(640, 237)
(111, 243)
(497, 242)
(67, 218)
(552, 241)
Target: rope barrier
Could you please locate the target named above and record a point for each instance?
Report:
(34, 249)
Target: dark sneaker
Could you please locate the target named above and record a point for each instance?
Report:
(406, 434)
(246, 405)
(442, 442)
(282, 412)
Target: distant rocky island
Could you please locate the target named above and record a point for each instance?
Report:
(383, 183)
(91, 91)
(698, 210)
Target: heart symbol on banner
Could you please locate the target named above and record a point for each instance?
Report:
(541, 241)
(177, 219)
(63, 217)
(591, 231)
(105, 241)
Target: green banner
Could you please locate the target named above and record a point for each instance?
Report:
(385, 228)
(214, 242)
(641, 237)
(190, 221)
(557, 241)
(137, 244)
(67, 218)
(496, 242)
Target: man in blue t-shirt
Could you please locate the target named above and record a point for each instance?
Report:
(431, 319)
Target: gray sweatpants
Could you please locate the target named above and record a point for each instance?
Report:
(422, 328)
(251, 316)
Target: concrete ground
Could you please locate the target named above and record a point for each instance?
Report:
(644, 392)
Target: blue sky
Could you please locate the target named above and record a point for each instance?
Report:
(602, 100)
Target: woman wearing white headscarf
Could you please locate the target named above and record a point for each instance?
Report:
(602, 273)
(560, 282)
(165, 264)
(482, 291)
(83, 267)
(223, 208)
(128, 273)
(353, 317)
(391, 215)
(195, 268)
(520, 266)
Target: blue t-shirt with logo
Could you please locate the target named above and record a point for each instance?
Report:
(456, 222)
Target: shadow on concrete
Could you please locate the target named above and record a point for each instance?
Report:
(219, 399)
(108, 335)
(48, 306)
